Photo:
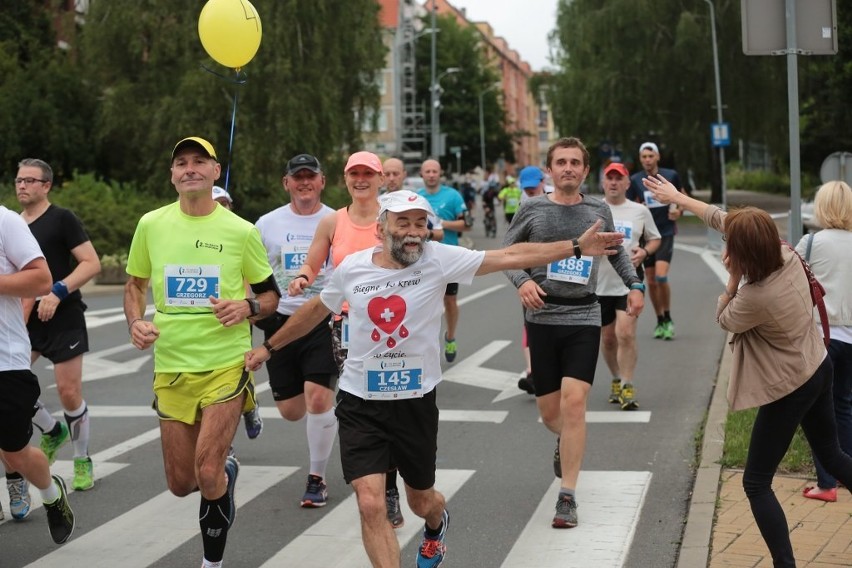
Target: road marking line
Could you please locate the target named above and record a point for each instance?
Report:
(150, 531)
(610, 503)
(481, 293)
(99, 318)
(616, 417)
(266, 412)
(64, 469)
(335, 540)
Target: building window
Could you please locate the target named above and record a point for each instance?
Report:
(381, 121)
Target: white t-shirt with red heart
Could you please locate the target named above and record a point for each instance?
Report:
(395, 319)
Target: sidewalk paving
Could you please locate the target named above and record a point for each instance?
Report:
(720, 529)
(821, 532)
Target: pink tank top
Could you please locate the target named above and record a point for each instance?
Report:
(349, 237)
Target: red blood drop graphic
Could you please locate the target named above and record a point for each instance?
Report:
(375, 335)
(403, 332)
(391, 342)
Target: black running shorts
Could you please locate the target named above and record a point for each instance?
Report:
(664, 253)
(376, 435)
(309, 358)
(610, 305)
(19, 392)
(558, 351)
(62, 337)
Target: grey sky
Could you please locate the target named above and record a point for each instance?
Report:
(523, 23)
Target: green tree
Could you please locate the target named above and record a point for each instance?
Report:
(313, 73)
(45, 107)
(634, 70)
(461, 47)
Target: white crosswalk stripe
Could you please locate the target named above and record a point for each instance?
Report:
(610, 503)
(148, 532)
(608, 508)
(335, 541)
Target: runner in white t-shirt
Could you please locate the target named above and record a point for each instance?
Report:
(24, 274)
(618, 329)
(303, 376)
(386, 406)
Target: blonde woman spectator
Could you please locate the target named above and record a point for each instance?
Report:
(828, 254)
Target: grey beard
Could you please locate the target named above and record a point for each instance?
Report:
(398, 253)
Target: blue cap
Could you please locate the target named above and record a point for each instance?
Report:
(530, 176)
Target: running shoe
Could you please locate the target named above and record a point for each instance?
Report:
(627, 398)
(19, 498)
(394, 512)
(316, 493)
(51, 444)
(525, 383)
(450, 348)
(433, 550)
(232, 469)
(668, 330)
(60, 517)
(254, 423)
(566, 513)
(659, 331)
(615, 391)
(557, 461)
(84, 474)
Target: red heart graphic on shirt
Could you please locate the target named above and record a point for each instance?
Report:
(387, 313)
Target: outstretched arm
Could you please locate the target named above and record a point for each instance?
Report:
(525, 255)
(665, 192)
(307, 317)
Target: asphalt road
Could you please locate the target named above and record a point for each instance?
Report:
(494, 455)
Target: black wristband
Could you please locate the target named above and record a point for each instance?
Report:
(254, 306)
(305, 276)
(268, 347)
(577, 252)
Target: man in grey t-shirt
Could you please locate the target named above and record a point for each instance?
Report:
(562, 313)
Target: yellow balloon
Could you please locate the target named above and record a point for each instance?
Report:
(230, 31)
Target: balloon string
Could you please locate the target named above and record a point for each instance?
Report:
(239, 77)
(231, 141)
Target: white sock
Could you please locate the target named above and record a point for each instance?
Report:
(50, 494)
(321, 429)
(42, 418)
(207, 564)
(78, 424)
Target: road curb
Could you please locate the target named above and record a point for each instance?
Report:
(698, 532)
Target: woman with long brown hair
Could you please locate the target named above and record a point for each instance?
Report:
(780, 363)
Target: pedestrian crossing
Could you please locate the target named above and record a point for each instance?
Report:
(143, 535)
(137, 532)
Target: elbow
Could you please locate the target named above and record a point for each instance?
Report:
(44, 285)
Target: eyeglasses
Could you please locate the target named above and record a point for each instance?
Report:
(28, 181)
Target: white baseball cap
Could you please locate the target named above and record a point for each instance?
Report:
(403, 200)
(219, 192)
(649, 146)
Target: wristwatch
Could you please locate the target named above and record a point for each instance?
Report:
(268, 347)
(638, 286)
(254, 306)
(576, 243)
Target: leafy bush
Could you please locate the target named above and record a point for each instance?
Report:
(109, 210)
(756, 180)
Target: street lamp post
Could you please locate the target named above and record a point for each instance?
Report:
(482, 126)
(718, 102)
(436, 110)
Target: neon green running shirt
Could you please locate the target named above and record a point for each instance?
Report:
(188, 259)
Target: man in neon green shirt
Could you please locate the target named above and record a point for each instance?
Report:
(196, 255)
(510, 197)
